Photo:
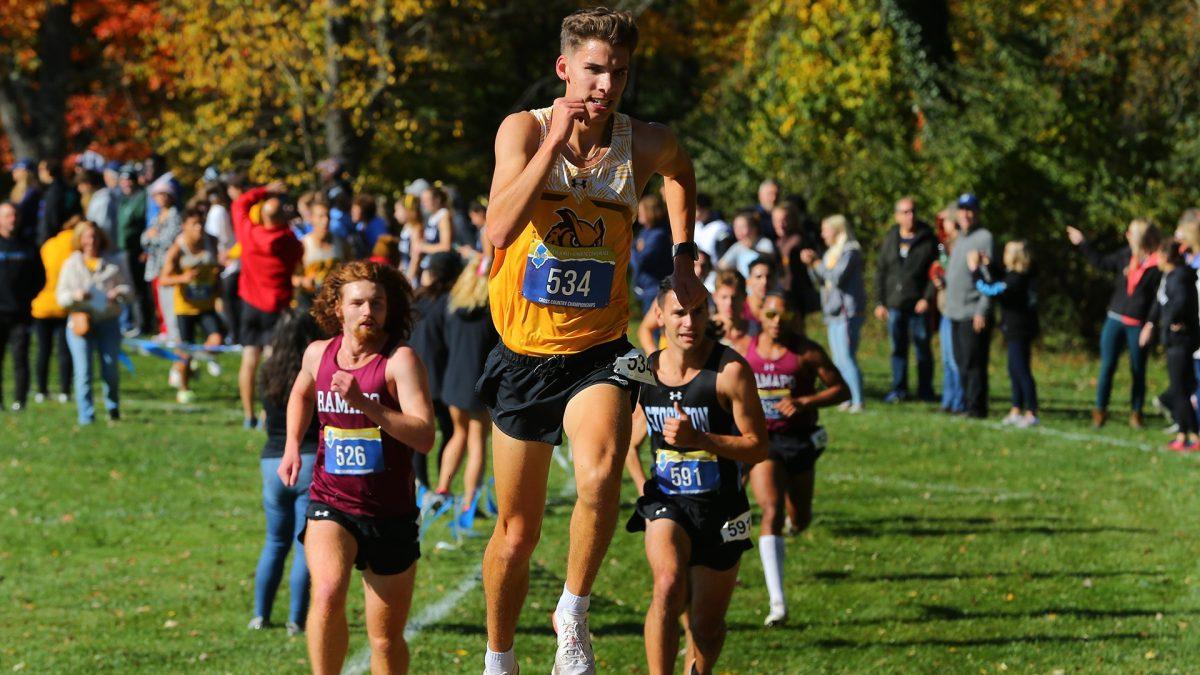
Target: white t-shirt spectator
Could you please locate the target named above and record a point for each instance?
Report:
(219, 226)
(739, 256)
(709, 234)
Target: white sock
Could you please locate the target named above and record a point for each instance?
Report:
(573, 604)
(770, 550)
(502, 661)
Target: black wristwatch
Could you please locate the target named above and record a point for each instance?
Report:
(687, 248)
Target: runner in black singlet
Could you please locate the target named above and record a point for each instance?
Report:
(705, 420)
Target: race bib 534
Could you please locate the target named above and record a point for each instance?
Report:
(568, 277)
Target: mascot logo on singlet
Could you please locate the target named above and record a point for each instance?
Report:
(571, 266)
(571, 230)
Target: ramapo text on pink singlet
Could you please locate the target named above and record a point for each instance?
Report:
(777, 380)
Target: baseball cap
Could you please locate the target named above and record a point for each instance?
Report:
(968, 200)
(26, 164)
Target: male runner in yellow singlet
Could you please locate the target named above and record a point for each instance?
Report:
(561, 211)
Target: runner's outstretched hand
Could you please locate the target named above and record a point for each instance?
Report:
(687, 287)
(289, 468)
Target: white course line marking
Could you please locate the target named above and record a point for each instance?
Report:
(995, 494)
(430, 615)
(1081, 436)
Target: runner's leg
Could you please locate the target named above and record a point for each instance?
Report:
(250, 358)
(598, 424)
(667, 550)
(389, 598)
(477, 428)
(711, 591)
(767, 481)
(453, 455)
(800, 498)
(521, 469)
(330, 550)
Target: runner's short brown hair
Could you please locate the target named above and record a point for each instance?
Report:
(398, 324)
(617, 28)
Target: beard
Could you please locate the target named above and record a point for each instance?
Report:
(367, 332)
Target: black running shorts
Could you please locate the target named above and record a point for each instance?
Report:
(528, 395)
(702, 520)
(385, 545)
(797, 451)
(257, 326)
(207, 322)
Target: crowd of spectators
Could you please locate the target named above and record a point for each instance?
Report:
(94, 250)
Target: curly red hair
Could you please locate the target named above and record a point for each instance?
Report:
(395, 287)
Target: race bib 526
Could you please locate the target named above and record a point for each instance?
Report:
(353, 452)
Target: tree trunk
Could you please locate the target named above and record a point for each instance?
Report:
(340, 139)
(34, 119)
(55, 40)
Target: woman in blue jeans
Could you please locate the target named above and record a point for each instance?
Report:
(843, 298)
(284, 506)
(92, 286)
(1135, 283)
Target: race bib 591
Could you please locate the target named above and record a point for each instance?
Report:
(736, 529)
(569, 277)
(690, 473)
(353, 452)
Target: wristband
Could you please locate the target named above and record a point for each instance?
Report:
(687, 248)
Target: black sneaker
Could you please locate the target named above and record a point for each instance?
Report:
(114, 415)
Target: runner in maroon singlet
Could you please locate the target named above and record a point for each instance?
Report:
(786, 367)
(372, 400)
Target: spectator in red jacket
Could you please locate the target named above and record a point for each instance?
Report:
(270, 253)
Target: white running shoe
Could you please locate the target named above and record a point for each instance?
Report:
(777, 617)
(174, 379)
(1012, 419)
(185, 396)
(574, 655)
(498, 671)
(213, 368)
(62, 398)
(39, 398)
(257, 623)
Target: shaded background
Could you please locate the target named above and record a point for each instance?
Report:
(1054, 111)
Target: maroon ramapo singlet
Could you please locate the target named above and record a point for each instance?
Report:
(388, 493)
(777, 379)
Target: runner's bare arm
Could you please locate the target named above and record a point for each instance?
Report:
(735, 383)
(413, 423)
(170, 275)
(300, 411)
(633, 463)
(522, 167)
(661, 151)
(835, 390)
(645, 331)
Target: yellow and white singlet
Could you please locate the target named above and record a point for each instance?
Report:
(561, 287)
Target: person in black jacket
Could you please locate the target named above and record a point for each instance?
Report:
(429, 341)
(905, 293)
(21, 278)
(1013, 289)
(1177, 315)
(59, 201)
(1136, 279)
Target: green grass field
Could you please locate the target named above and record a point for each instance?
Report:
(939, 545)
